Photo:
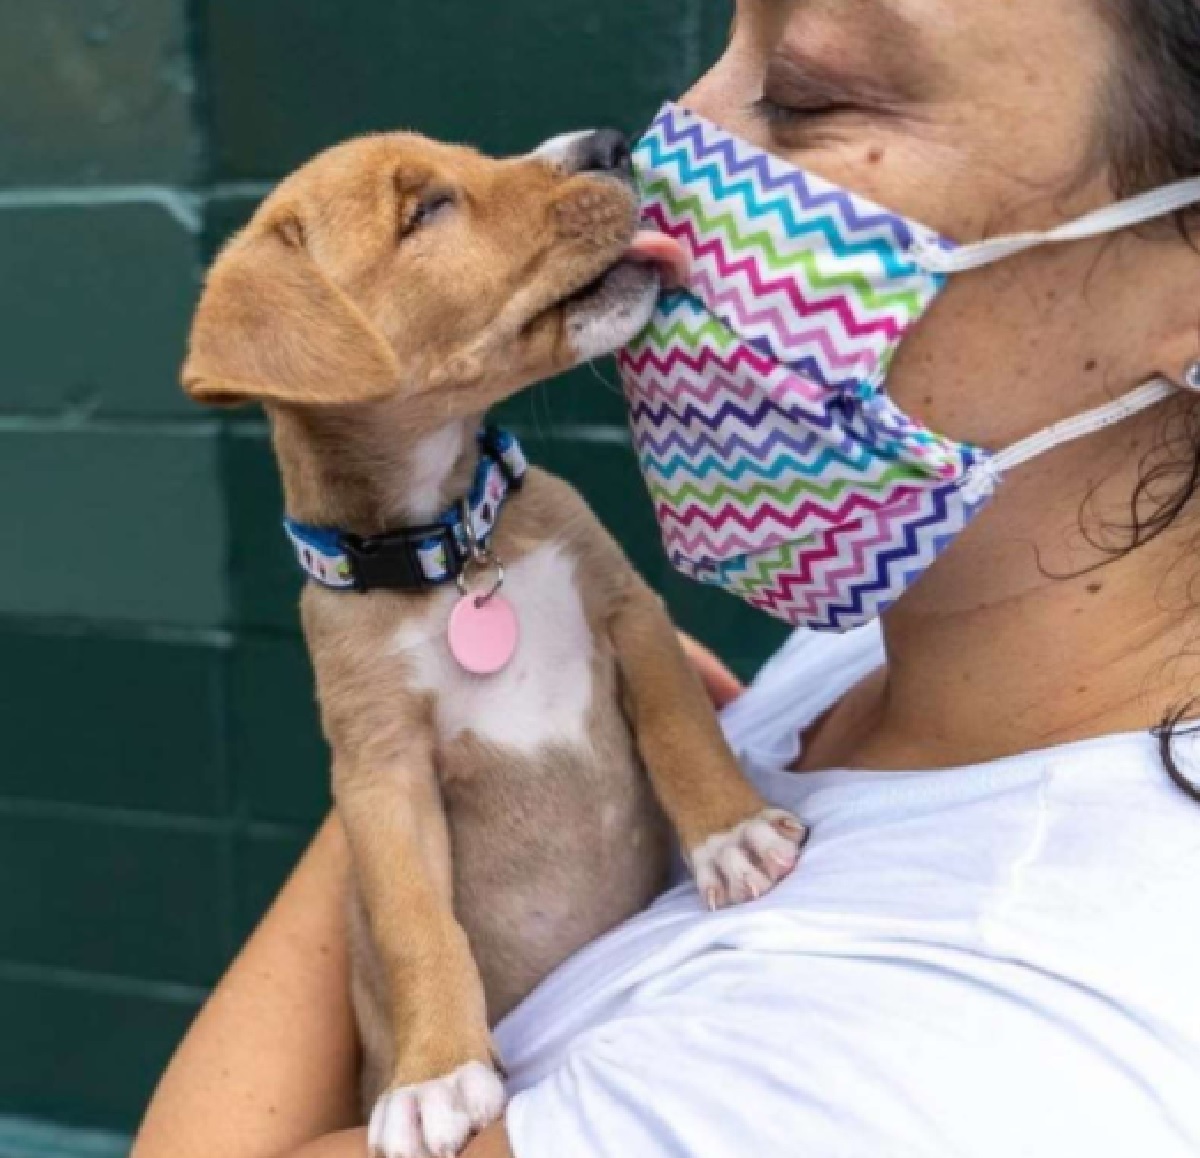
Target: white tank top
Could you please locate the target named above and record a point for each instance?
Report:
(999, 961)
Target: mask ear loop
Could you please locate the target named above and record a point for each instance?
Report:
(983, 478)
(1110, 219)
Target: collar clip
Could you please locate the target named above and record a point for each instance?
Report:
(416, 558)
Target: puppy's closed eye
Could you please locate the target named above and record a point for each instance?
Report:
(432, 208)
(422, 206)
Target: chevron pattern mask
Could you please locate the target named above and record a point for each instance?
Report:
(779, 467)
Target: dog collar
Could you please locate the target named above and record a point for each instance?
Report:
(415, 558)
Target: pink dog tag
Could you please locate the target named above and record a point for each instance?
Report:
(483, 634)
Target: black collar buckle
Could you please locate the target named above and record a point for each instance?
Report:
(390, 562)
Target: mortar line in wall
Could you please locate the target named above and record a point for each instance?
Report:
(149, 819)
(227, 190)
(125, 631)
(232, 862)
(32, 423)
(186, 206)
(693, 41)
(599, 433)
(236, 865)
(33, 1137)
(201, 102)
(256, 430)
(181, 204)
(73, 813)
(128, 630)
(114, 984)
(595, 433)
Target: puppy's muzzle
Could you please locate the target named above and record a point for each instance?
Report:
(605, 152)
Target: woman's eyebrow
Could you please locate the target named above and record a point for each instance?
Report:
(890, 10)
(836, 34)
(886, 17)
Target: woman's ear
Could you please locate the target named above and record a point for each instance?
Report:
(271, 327)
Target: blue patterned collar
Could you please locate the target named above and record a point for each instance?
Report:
(416, 558)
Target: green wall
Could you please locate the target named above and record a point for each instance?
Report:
(162, 766)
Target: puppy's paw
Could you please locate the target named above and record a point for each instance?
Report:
(436, 1119)
(749, 860)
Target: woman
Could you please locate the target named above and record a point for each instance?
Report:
(989, 952)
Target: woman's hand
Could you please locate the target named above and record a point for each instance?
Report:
(722, 685)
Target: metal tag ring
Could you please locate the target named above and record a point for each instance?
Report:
(478, 553)
(484, 562)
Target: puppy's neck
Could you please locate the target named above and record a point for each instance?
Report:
(362, 469)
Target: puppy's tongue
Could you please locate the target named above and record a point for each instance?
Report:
(659, 249)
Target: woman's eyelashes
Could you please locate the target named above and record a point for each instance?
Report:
(800, 119)
(804, 97)
(793, 99)
(803, 123)
(779, 115)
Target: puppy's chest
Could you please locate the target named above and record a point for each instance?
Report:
(544, 695)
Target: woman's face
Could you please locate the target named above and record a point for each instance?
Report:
(977, 119)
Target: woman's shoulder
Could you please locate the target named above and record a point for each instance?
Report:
(813, 670)
(810, 673)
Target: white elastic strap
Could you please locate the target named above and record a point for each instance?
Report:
(1111, 219)
(983, 478)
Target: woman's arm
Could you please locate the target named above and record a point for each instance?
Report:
(492, 1143)
(722, 685)
(271, 1062)
(269, 1069)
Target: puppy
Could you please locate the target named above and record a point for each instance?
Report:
(505, 786)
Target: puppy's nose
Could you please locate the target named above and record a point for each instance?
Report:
(605, 151)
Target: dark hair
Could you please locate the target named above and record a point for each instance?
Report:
(1152, 138)
(1152, 126)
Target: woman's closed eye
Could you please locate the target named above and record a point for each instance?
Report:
(801, 96)
(777, 114)
(803, 120)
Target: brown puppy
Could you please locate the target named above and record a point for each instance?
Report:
(380, 301)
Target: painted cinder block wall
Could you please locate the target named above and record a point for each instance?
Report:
(161, 763)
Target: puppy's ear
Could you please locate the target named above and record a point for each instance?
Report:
(271, 327)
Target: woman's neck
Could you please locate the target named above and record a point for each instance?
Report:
(1016, 640)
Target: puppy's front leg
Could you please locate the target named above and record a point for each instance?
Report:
(736, 845)
(444, 1086)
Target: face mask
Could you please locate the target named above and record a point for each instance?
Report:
(779, 466)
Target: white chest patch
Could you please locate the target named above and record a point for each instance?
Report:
(544, 694)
